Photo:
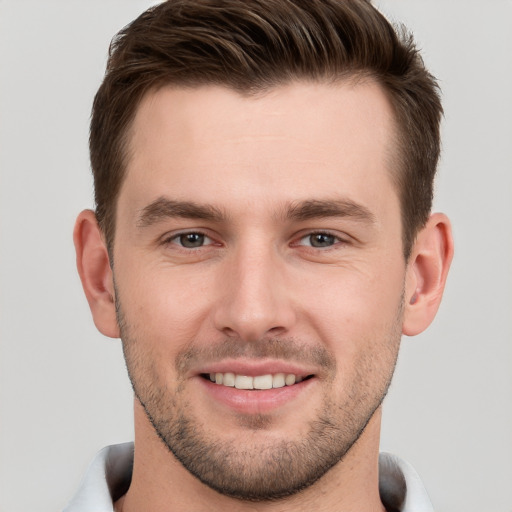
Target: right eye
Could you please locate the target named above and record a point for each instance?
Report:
(319, 240)
(191, 240)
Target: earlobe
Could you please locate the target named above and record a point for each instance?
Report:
(93, 265)
(427, 271)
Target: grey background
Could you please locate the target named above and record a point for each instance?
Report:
(63, 389)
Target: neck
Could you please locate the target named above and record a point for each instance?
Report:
(160, 483)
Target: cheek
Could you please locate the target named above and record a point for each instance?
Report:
(351, 309)
(163, 309)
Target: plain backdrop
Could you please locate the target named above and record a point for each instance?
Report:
(64, 393)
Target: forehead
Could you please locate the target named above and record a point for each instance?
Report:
(288, 143)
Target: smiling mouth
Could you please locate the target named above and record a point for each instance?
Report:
(258, 382)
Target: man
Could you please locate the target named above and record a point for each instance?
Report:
(262, 238)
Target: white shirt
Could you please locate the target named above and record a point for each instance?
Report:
(109, 476)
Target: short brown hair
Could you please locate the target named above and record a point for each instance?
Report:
(251, 46)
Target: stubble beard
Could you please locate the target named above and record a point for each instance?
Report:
(273, 469)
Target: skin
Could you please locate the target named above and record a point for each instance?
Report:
(268, 174)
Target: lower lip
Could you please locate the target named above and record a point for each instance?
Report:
(256, 401)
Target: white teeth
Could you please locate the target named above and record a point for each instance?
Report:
(263, 382)
(289, 380)
(278, 381)
(268, 381)
(229, 380)
(243, 382)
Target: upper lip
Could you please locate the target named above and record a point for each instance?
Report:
(253, 368)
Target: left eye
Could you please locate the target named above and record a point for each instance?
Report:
(319, 240)
(191, 240)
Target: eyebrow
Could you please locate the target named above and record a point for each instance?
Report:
(164, 208)
(316, 209)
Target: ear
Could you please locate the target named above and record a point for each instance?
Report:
(427, 270)
(93, 265)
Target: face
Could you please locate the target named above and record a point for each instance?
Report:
(259, 277)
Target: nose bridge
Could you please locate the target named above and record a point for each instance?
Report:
(254, 300)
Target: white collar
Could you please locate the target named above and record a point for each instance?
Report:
(109, 476)
(399, 483)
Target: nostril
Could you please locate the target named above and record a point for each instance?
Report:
(276, 331)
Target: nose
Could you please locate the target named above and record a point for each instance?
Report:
(255, 299)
